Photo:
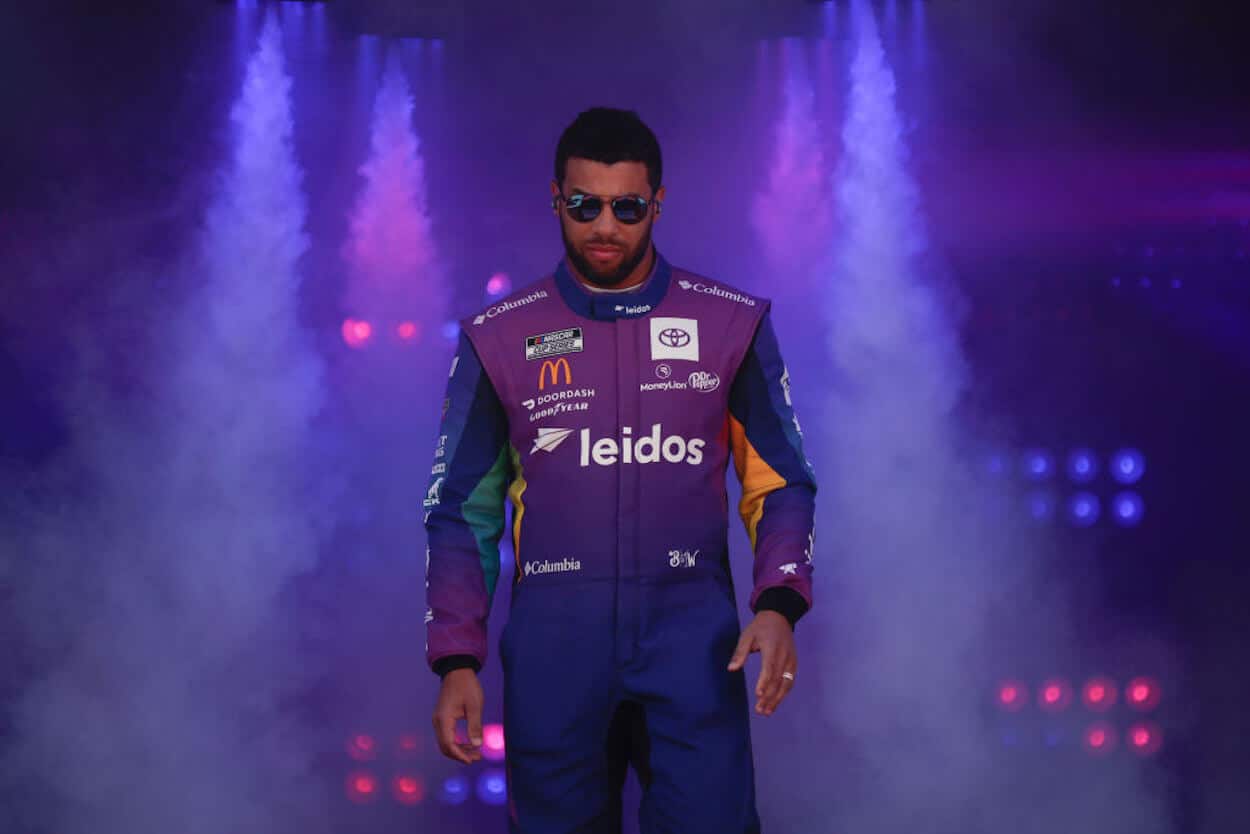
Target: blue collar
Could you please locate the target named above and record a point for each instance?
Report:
(625, 305)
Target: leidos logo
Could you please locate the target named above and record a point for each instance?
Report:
(607, 451)
(650, 448)
(552, 368)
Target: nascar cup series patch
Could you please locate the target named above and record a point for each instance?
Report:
(554, 343)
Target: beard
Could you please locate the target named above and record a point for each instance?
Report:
(613, 277)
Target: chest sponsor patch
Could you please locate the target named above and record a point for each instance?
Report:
(554, 343)
(674, 338)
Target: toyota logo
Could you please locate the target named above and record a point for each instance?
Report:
(674, 337)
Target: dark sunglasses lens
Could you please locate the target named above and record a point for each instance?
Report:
(585, 209)
(629, 209)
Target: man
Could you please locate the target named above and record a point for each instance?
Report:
(605, 402)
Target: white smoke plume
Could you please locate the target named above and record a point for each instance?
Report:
(151, 561)
(923, 563)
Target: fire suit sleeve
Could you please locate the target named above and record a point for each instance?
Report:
(464, 516)
(778, 486)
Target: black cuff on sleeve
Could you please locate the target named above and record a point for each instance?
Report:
(787, 602)
(455, 661)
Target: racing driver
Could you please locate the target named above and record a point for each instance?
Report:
(604, 403)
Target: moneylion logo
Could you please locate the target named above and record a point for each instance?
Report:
(563, 566)
(552, 368)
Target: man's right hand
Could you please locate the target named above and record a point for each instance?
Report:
(460, 697)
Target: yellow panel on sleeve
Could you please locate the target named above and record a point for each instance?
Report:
(516, 491)
(757, 477)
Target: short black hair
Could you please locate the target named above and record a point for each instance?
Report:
(608, 135)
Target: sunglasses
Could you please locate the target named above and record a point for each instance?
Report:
(584, 208)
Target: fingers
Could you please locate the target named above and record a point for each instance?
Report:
(475, 724)
(459, 701)
(770, 677)
(445, 732)
(746, 645)
(777, 660)
(782, 687)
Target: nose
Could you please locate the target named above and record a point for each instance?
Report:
(605, 223)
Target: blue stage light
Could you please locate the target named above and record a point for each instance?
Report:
(453, 791)
(1041, 506)
(1127, 466)
(451, 330)
(1127, 509)
(1038, 465)
(492, 787)
(1082, 466)
(1083, 509)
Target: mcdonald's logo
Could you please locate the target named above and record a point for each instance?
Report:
(554, 367)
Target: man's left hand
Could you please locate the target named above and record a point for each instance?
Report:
(769, 634)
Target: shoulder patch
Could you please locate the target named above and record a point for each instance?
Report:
(704, 287)
(507, 304)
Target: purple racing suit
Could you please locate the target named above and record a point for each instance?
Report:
(607, 421)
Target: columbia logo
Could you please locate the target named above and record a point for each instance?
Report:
(562, 566)
(479, 319)
(684, 284)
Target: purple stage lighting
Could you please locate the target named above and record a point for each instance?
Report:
(492, 787)
(454, 791)
(362, 787)
(1127, 466)
(1127, 509)
(1082, 466)
(408, 789)
(1083, 509)
(1041, 506)
(451, 330)
(498, 285)
(1100, 739)
(1037, 465)
(1144, 739)
(493, 742)
(1013, 696)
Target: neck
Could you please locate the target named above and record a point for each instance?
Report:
(634, 278)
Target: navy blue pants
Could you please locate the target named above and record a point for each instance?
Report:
(598, 675)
